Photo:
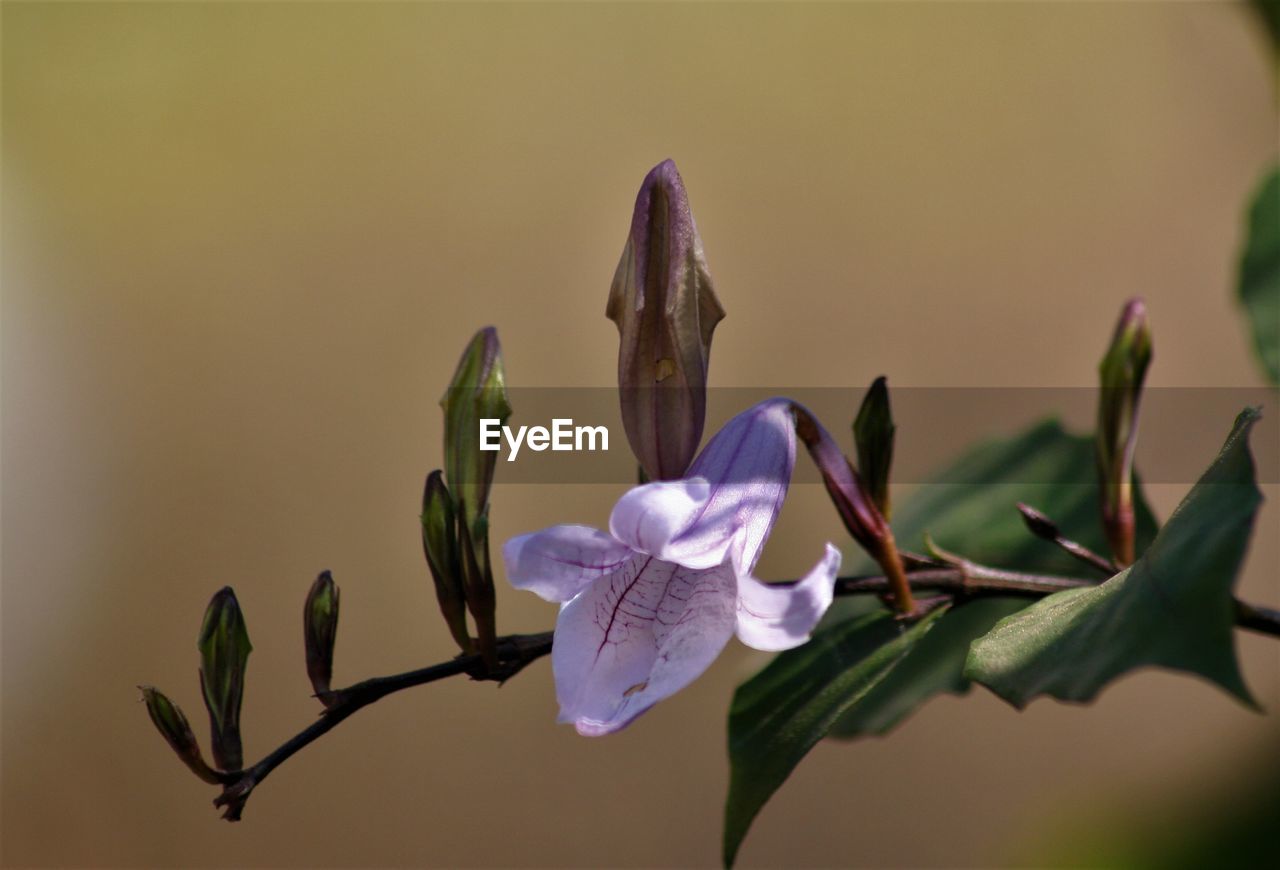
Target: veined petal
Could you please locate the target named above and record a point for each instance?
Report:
(636, 637)
(558, 562)
(748, 466)
(649, 518)
(775, 618)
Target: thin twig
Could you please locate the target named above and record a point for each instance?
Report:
(1046, 529)
(514, 652)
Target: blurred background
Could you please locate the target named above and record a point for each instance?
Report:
(245, 243)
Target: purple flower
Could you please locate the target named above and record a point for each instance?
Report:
(648, 606)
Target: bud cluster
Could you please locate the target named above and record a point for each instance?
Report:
(224, 649)
(455, 501)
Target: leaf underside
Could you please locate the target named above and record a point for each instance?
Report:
(1173, 608)
(778, 716)
(846, 682)
(1045, 467)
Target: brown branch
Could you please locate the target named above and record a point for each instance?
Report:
(514, 652)
(966, 580)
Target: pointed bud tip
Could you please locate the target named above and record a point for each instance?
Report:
(664, 173)
(1134, 309)
(1133, 332)
(1037, 523)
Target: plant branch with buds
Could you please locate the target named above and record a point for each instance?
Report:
(649, 603)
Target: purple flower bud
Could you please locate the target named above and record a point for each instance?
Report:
(666, 310)
(858, 512)
(855, 505)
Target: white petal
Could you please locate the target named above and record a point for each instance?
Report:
(556, 563)
(639, 636)
(748, 464)
(781, 617)
(729, 503)
(651, 518)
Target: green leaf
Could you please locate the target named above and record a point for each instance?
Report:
(1269, 11)
(1045, 467)
(1260, 273)
(972, 509)
(778, 715)
(1173, 608)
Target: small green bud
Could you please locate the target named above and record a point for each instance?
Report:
(666, 310)
(440, 544)
(174, 728)
(873, 432)
(477, 584)
(320, 631)
(478, 391)
(1121, 372)
(224, 649)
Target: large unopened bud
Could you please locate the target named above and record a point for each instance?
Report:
(666, 310)
(1121, 373)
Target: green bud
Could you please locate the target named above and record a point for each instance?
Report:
(1121, 372)
(478, 391)
(174, 728)
(320, 631)
(873, 432)
(224, 649)
(666, 311)
(477, 584)
(440, 544)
